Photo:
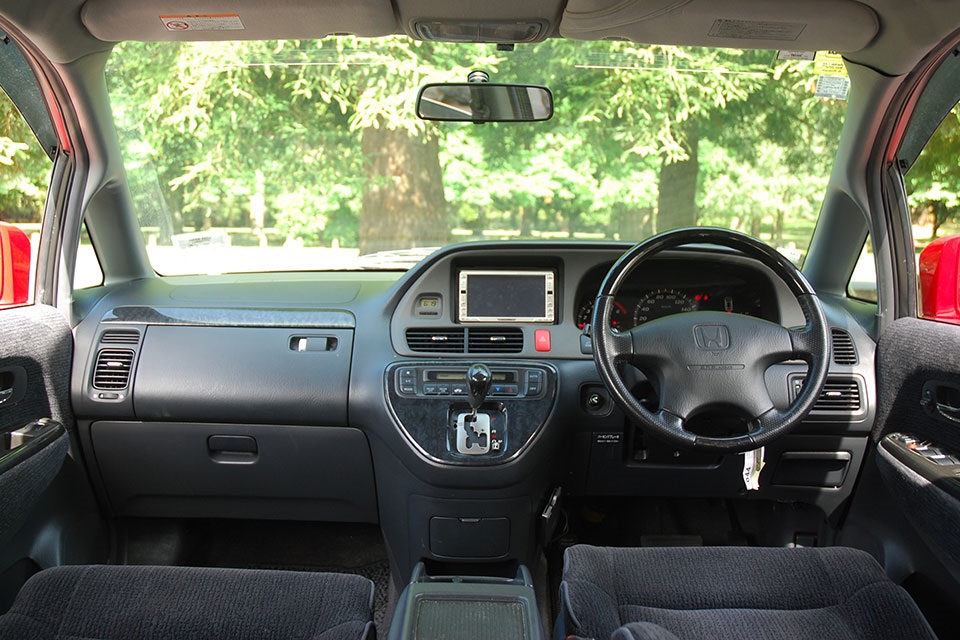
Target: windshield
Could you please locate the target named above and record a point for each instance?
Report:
(308, 155)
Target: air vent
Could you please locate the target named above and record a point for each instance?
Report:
(839, 396)
(112, 371)
(843, 350)
(496, 340)
(120, 336)
(436, 340)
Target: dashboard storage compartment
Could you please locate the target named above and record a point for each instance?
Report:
(465, 530)
(244, 374)
(467, 607)
(827, 469)
(163, 469)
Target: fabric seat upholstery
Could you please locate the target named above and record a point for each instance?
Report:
(734, 592)
(134, 603)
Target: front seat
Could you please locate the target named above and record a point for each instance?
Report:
(664, 593)
(159, 603)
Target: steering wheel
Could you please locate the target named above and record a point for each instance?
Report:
(705, 360)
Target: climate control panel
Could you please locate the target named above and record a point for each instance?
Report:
(451, 381)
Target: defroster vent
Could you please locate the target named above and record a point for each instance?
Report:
(436, 340)
(496, 340)
(844, 352)
(112, 370)
(120, 336)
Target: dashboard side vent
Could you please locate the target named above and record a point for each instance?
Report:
(436, 340)
(496, 340)
(112, 370)
(844, 352)
(840, 395)
(120, 336)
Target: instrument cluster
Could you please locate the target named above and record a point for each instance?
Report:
(671, 287)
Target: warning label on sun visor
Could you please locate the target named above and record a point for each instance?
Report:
(203, 22)
(756, 29)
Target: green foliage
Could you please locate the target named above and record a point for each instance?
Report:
(269, 134)
(933, 183)
(24, 168)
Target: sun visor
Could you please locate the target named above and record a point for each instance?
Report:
(151, 20)
(801, 25)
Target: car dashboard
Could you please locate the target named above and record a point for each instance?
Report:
(343, 396)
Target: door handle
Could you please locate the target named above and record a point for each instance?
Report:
(941, 399)
(13, 384)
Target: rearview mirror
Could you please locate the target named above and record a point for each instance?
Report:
(484, 102)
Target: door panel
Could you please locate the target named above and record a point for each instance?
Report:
(905, 509)
(44, 493)
(918, 438)
(911, 354)
(37, 341)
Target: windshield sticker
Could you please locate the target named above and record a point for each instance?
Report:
(834, 87)
(807, 56)
(829, 63)
(203, 22)
(756, 29)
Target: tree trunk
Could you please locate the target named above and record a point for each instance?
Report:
(633, 224)
(403, 202)
(526, 224)
(778, 228)
(677, 199)
(258, 208)
(939, 217)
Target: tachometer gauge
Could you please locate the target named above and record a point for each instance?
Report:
(660, 303)
(617, 319)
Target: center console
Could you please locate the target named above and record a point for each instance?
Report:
(466, 608)
(476, 495)
(470, 414)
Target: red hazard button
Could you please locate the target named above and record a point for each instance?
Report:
(541, 339)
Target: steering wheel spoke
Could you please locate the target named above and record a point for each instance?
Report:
(618, 346)
(809, 342)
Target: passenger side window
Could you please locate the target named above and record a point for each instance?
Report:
(24, 180)
(933, 194)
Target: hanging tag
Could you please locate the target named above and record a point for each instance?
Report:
(752, 466)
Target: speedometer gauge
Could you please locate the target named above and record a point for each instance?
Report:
(660, 303)
(618, 316)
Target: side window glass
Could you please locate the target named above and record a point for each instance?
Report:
(863, 280)
(24, 179)
(933, 194)
(87, 272)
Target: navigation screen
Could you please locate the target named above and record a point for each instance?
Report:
(506, 296)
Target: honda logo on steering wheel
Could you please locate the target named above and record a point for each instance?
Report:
(712, 337)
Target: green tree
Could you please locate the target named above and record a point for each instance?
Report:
(24, 168)
(933, 182)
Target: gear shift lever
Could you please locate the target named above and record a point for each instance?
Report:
(478, 384)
